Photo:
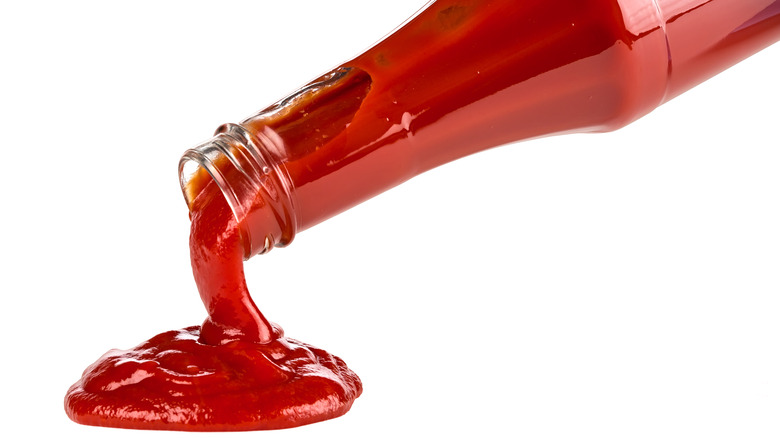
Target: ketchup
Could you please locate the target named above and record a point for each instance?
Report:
(235, 372)
(459, 77)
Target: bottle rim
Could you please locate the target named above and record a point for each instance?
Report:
(253, 173)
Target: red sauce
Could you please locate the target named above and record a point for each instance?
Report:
(460, 77)
(236, 372)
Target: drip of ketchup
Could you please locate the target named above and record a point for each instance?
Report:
(460, 77)
(236, 372)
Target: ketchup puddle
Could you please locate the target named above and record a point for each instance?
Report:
(236, 372)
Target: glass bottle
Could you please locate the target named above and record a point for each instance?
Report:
(457, 78)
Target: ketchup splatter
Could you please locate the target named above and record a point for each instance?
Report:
(236, 372)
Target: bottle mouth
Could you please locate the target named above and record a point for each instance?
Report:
(257, 191)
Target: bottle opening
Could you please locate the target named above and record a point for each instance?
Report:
(255, 189)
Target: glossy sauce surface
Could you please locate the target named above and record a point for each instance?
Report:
(464, 76)
(236, 372)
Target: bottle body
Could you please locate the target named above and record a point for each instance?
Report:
(458, 78)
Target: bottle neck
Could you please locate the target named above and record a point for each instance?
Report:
(458, 78)
(255, 185)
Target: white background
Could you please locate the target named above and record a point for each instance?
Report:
(612, 285)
